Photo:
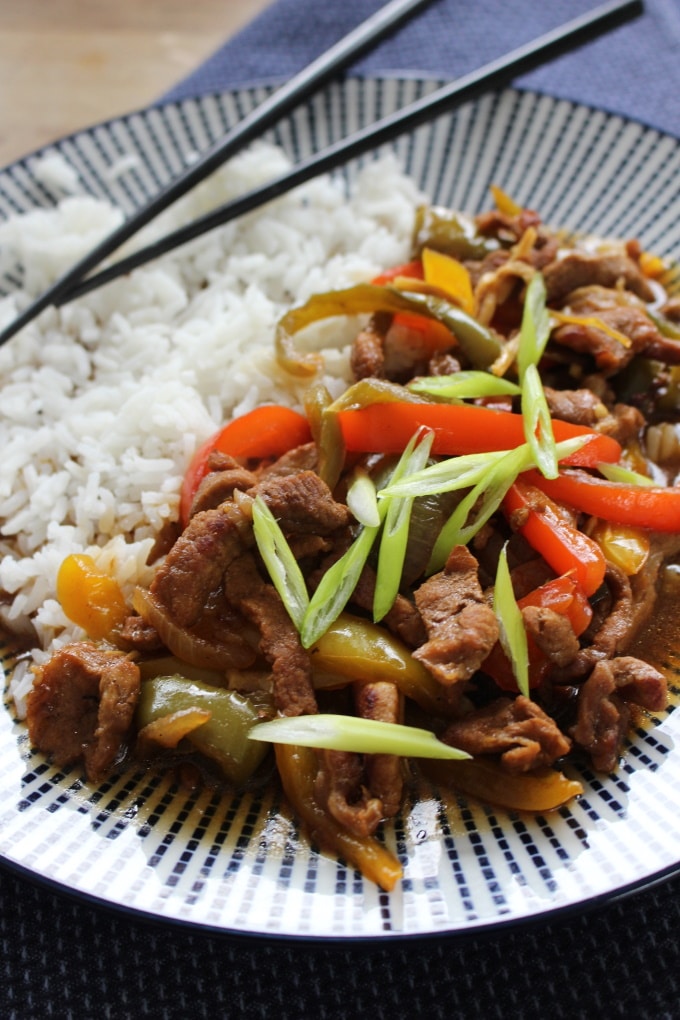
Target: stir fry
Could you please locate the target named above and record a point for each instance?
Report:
(443, 569)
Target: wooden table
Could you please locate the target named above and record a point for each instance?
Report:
(66, 64)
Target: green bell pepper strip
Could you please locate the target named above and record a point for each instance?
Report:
(478, 343)
(224, 737)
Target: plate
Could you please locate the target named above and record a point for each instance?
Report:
(239, 864)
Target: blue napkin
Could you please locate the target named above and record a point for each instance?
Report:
(633, 70)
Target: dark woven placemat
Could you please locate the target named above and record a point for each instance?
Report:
(64, 958)
(68, 959)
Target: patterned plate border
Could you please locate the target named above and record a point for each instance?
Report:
(239, 864)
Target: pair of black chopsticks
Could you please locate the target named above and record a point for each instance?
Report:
(495, 74)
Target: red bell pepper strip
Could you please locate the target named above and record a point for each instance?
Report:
(412, 269)
(564, 548)
(266, 431)
(459, 429)
(641, 506)
(564, 596)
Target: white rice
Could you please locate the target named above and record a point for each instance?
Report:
(104, 401)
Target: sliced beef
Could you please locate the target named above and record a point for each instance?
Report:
(403, 619)
(139, 636)
(225, 474)
(552, 633)
(302, 504)
(194, 567)
(603, 706)
(381, 700)
(367, 357)
(462, 629)
(581, 407)
(82, 706)
(280, 644)
(300, 458)
(624, 616)
(339, 787)
(581, 269)
(509, 227)
(518, 730)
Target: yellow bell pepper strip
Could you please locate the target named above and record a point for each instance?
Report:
(297, 768)
(640, 506)
(459, 429)
(168, 730)
(542, 790)
(504, 203)
(223, 737)
(564, 548)
(90, 597)
(266, 431)
(626, 547)
(363, 651)
(449, 276)
(479, 344)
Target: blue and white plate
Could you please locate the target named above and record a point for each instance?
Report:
(239, 864)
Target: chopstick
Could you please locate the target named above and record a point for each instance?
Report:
(546, 47)
(267, 113)
(491, 75)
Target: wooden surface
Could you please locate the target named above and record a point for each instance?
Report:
(66, 64)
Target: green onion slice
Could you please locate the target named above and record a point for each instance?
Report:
(535, 329)
(394, 540)
(617, 473)
(513, 635)
(348, 733)
(538, 429)
(335, 588)
(464, 386)
(280, 563)
(362, 499)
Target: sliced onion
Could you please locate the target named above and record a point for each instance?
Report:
(231, 652)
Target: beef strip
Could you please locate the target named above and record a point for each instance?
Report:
(225, 474)
(403, 620)
(380, 700)
(280, 644)
(625, 616)
(462, 629)
(581, 269)
(340, 788)
(139, 636)
(367, 357)
(300, 458)
(603, 706)
(518, 730)
(302, 504)
(552, 633)
(82, 705)
(194, 567)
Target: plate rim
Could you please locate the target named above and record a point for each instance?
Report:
(141, 914)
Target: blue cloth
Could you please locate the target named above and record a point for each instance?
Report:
(633, 70)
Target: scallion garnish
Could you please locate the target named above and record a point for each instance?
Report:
(336, 587)
(513, 636)
(533, 337)
(535, 329)
(349, 733)
(468, 385)
(617, 473)
(394, 539)
(538, 428)
(280, 563)
(362, 499)
(479, 504)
